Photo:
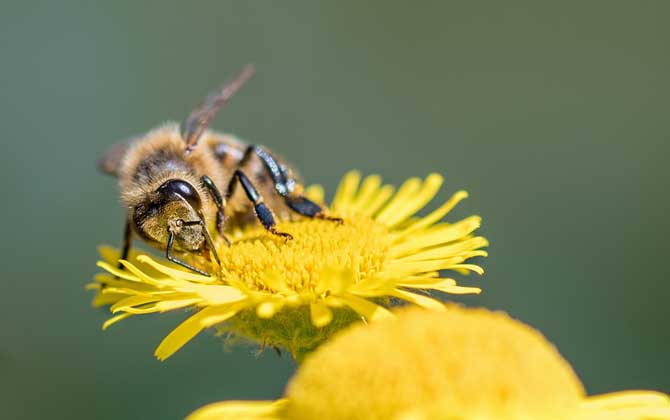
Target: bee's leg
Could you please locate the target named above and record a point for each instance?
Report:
(219, 202)
(278, 175)
(284, 185)
(168, 255)
(306, 207)
(127, 239)
(263, 212)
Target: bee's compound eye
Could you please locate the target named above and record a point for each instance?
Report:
(173, 187)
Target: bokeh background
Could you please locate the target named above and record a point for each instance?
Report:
(553, 117)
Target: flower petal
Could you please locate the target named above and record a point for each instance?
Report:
(405, 209)
(315, 193)
(115, 319)
(399, 200)
(214, 294)
(378, 200)
(460, 248)
(436, 215)
(240, 410)
(192, 326)
(320, 314)
(421, 300)
(269, 308)
(346, 191)
(368, 310)
(437, 235)
(367, 192)
(175, 273)
(439, 284)
(627, 405)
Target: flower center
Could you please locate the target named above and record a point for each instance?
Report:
(359, 244)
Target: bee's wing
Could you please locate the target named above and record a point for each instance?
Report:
(110, 162)
(201, 116)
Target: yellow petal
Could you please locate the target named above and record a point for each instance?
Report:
(107, 299)
(422, 197)
(441, 251)
(372, 287)
(214, 294)
(404, 194)
(367, 192)
(468, 267)
(436, 215)
(315, 193)
(346, 190)
(627, 405)
(132, 301)
(268, 309)
(334, 280)
(320, 313)
(115, 319)
(192, 326)
(439, 284)
(162, 306)
(123, 274)
(175, 273)
(368, 310)
(240, 410)
(421, 300)
(437, 235)
(378, 200)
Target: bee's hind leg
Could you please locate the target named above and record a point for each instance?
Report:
(263, 212)
(284, 185)
(306, 207)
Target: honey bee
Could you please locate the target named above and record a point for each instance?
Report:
(177, 185)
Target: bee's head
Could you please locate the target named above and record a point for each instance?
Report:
(174, 207)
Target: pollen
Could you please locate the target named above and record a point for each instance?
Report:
(359, 244)
(294, 294)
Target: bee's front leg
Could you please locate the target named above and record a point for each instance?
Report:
(127, 239)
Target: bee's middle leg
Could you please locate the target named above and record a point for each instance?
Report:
(263, 212)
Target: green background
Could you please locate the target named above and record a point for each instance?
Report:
(553, 117)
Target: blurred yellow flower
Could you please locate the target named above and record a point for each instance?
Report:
(462, 364)
(295, 294)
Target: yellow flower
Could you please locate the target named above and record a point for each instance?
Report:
(462, 364)
(295, 294)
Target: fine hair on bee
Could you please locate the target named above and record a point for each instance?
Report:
(177, 185)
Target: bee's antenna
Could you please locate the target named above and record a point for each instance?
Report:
(201, 116)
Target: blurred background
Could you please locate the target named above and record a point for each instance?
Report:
(553, 117)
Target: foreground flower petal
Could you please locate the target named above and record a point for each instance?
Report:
(239, 410)
(469, 364)
(295, 294)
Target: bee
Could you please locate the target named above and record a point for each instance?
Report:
(178, 185)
